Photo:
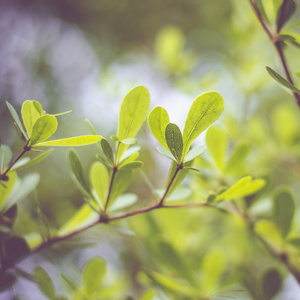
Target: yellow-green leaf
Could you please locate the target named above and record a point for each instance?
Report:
(174, 140)
(158, 120)
(9, 185)
(42, 129)
(205, 110)
(31, 111)
(73, 142)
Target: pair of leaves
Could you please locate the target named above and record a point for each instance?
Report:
(205, 110)
(244, 187)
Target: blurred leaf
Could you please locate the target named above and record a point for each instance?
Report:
(31, 111)
(176, 195)
(17, 120)
(103, 160)
(270, 283)
(165, 153)
(205, 110)
(283, 211)
(178, 286)
(42, 129)
(107, 150)
(268, 231)
(244, 187)
(84, 215)
(194, 152)
(131, 165)
(45, 283)
(295, 242)
(122, 180)
(27, 185)
(158, 119)
(33, 239)
(93, 272)
(290, 37)
(262, 10)
(131, 141)
(27, 162)
(91, 127)
(100, 180)
(174, 140)
(9, 217)
(124, 201)
(77, 170)
(287, 9)
(283, 114)
(5, 155)
(133, 112)
(74, 141)
(212, 268)
(217, 141)
(7, 280)
(238, 156)
(9, 185)
(16, 247)
(282, 81)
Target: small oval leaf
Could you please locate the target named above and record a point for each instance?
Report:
(174, 140)
(107, 150)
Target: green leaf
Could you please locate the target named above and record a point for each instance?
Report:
(270, 283)
(114, 138)
(158, 120)
(30, 162)
(84, 215)
(131, 141)
(205, 110)
(212, 268)
(93, 274)
(17, 120)
(61, 114)
(31, 111)
(194, 152)
(129, 153)
(5, 155)
(217, 141)
(174, 140)
(238, 156)
(165, 153)
(73, 142)
(122, 180)
(286, 10)
(283, 211)
(42, 129)
(133, 112)
(77, 170)
(282, 81)
(90, 126)
(176, 195)
(290, 37)
(100, 180)
(103, 160)
(45, 283)
(124, 201)
(107, 150)
(9, 185)
(7, 280)
(244, 187)
(131, 165)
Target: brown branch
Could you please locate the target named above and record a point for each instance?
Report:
(278, 46)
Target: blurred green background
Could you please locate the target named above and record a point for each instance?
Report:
(85, 56)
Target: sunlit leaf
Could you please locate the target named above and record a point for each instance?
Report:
(100, 180)
(16, 118)
(93, 273)
(282, 81)
(133, 112)
(129, 153)
(216, 141)
(42, 129)
(286, 10)
(244, 187)
(73, 141)
(205, 110)
(45, 283)
(283, 211)
(130, 141)
(77, 170)
(107, 150)
(131, 165)
(174, 140)
(269, 231)
(158, 120)
(31, 111)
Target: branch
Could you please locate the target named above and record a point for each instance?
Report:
(278, 46)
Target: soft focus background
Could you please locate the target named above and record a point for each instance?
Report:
(85, 56)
